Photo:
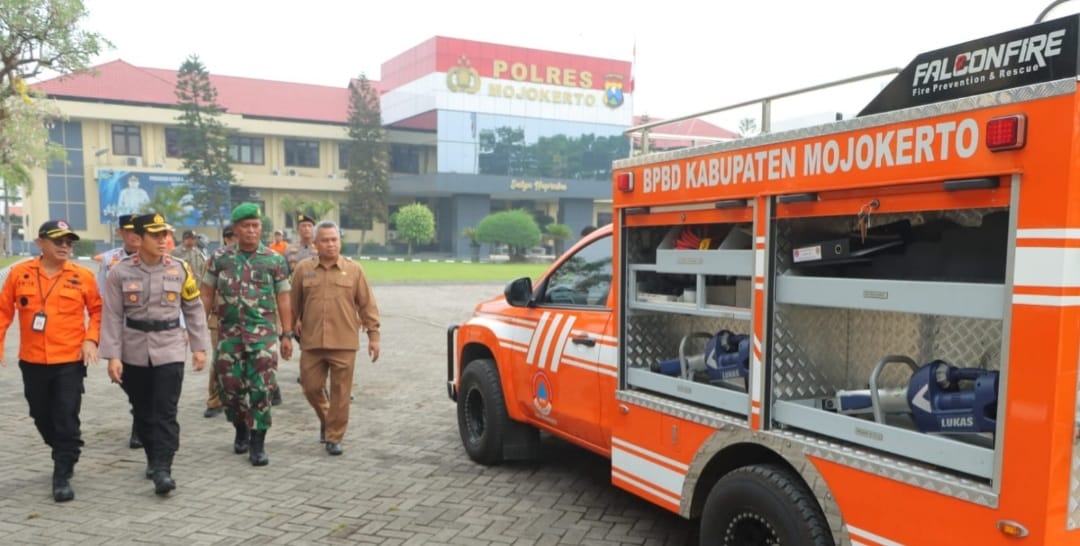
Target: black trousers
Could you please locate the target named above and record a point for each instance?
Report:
(54, 393)
(154, 392)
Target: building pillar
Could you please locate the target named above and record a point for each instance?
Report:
(466, 211)
(576, 213)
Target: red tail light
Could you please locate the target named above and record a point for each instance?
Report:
(1006, 133)
(624, 182)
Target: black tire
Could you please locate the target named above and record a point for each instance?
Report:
(481, 410)
(762, 505)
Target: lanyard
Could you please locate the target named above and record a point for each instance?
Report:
(59, 277)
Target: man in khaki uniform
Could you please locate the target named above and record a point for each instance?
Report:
(213, 402)
(143, 339)
(332, 302)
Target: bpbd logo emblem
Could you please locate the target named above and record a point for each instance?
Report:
(542, 395)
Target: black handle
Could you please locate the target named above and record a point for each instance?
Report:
(586, 341)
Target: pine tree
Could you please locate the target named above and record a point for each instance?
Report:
(204, 142)
(369, 159)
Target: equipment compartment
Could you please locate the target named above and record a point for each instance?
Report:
(856, 340)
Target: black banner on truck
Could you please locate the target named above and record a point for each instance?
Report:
(1035, 54)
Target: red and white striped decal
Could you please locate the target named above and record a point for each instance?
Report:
(544, 342)
(1047, 267)
(659, 477)
(862, 537)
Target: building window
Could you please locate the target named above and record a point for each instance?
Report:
(404, 158)
(65, 183)
(126, 140)
(301, 153)
(172, 142)
(343, 155)
(247, 150)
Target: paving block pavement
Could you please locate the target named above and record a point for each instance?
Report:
(404, 478)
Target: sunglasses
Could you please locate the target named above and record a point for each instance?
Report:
(63, 242)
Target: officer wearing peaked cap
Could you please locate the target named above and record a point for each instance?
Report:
(143, 339)
(304, 247)
(125, 231)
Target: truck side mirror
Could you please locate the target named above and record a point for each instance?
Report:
(518, 292)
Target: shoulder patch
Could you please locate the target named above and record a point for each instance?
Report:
(190, 290)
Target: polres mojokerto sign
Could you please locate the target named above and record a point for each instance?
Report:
(1035, 54)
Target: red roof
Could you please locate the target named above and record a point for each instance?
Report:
(119, 81)
(696, 132)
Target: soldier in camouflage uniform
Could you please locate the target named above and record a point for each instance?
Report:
(190, 252)
(253, 282)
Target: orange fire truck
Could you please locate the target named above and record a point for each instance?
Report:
(862, 332)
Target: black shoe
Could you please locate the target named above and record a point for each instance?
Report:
(134, 442)
(275, 397)
(149, 472)
(322, 434)
(257, 455)
(211, 412)
(242, 441)
(333, 448)
(61, 490)
(61, 486)
(163, 482)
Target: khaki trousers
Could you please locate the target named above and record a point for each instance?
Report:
(315, 365)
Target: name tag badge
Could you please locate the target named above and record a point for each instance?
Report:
(39, 322)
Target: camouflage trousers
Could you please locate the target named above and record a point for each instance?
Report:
(244, 376)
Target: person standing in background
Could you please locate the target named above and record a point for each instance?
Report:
(143, 338)
(254, 285)
(57, 341)
(332, 301)
(304, 247)
(190, 252)
(279, 245)
(213, 401)
(129, 246)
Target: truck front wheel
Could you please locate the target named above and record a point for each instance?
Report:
(762, 505)
(481, 410)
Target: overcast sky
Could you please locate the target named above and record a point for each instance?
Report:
(690, 56)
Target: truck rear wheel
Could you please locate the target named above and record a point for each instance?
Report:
(481, 410)
(762, 505)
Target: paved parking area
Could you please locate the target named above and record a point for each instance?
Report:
(404, 477)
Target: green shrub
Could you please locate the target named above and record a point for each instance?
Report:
(85, 247)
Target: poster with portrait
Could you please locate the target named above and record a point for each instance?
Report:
(130, 192)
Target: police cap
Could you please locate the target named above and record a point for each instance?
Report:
(56, 229)
(149, 223)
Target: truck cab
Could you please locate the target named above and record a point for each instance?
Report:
(541, 356)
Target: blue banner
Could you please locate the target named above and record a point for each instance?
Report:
(130, 192)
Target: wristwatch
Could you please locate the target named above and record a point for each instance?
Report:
(287, 334)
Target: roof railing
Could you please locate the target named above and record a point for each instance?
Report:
(766, 107)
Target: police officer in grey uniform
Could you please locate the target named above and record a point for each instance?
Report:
(143, 339)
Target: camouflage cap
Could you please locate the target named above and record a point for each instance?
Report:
(246, 211)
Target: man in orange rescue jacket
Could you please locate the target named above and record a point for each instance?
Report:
(53, 297)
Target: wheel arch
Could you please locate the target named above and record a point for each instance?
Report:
(724, 453)
(481, 343)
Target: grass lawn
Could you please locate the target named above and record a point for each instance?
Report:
(378, 271)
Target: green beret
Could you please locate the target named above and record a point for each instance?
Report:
(245, 211)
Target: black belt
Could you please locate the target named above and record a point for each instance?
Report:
(152, 325)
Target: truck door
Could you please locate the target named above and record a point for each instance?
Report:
(572, 350)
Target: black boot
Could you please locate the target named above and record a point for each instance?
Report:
(151, 464)
(241, 442)
(61, 484)
(257, 456)
(163, 482)
(275, 396)
(134, 442)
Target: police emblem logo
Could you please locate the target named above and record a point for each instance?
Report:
(171, 296)
(133, 297)
(159, 219)
(613, 90)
